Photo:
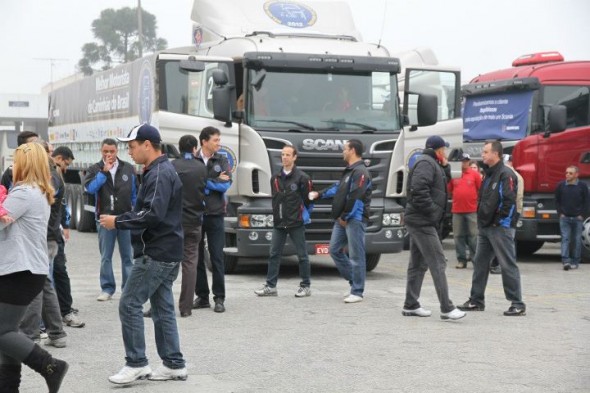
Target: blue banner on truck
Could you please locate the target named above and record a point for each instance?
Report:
(496, 116)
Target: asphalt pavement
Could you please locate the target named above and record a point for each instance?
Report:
(320, 344)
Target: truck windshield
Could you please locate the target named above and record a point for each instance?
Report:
(324, 102)
(502, 116)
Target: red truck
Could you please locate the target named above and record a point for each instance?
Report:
(540, 110)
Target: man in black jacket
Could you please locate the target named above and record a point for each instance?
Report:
(113, 183)
(193, 175)
(218, 182)
(156, 236)
(290, 208)
(350, 211)
(425, 210)
(496, 220)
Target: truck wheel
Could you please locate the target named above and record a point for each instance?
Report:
(72, 205)
(85, 221)
(372, 261)
(526, 248)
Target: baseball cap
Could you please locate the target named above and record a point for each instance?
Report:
(507, 158)
(436, 142)
(143, 132)
(465, 157)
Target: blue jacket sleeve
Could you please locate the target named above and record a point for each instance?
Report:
(134, 190)
(92, 186)
(330, 192)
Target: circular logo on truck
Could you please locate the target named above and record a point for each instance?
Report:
(291, 14)
(145, 93)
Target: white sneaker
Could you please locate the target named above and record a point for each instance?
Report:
(56, 342)
(419, 312)
(353, 299)
(104, 296)
(72, 320)
(266, 291)
(453, 315)
(130, 374)
(303, 292)
(164, 373)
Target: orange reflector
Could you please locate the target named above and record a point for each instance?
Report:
(528, 214)
(545, 215)
(244, 221)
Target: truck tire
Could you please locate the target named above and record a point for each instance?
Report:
(372, 261)
(85, 221)
(72, 205)
(526, 248)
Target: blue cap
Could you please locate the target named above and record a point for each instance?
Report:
(143, 132)
(436, 142)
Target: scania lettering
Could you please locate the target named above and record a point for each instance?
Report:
(321, 144)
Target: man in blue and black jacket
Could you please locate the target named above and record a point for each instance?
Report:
(496, 220)
(350, 209)
(113, 183)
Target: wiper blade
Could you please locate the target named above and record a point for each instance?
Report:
(365, 127)
(302, 125)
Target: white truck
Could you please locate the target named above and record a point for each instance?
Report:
(270, 74)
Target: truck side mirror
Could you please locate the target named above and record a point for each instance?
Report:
(192, 65)
(557, 118)
(222, 97)
(427, 109)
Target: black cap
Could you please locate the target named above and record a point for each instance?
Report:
(436, 142)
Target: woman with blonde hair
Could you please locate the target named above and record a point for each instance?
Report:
(24, 266)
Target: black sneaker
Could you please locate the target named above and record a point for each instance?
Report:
(515, 312)
(201, 303)
(219, 307)
(468, 306)
(566, 266)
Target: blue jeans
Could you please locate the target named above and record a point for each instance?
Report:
(150, 279)
(214, 230)
(279, 237)
(571, 236)
(352, 266)
(106, 245)
(498, 242)
(465, 235)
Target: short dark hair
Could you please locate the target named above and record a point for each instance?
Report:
(496, 147)
(22, 137)
(207, 133)
(109, 141)
(292, 148)
(357, 146)
(63, 151)
(187, 143)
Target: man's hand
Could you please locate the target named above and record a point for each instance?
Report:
(107, 221)
(66, 233)
(6, 219)
(341, 222)
(223, 176)
(313, 195)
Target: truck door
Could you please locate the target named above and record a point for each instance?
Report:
(445, 84)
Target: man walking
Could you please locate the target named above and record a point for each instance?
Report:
(193, 175)
(290, 208)
(425, 210)
(113, 184)
(464, 191)
(350, 210)
(496, 219)
(218, 182)
(573, 205)
(157, 248)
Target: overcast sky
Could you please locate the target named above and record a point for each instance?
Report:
(477, 36)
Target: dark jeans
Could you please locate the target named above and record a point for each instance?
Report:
(571, 238)
(214, 231)
(14, 346)
(498, 242)
(61, 279)
(279, 237)
(192, 238)
(426, 252)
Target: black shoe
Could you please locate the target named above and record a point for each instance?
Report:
(496, 270)
(468, 306)
(201, 303)
(219, 307)
(52, 369)
(566, 266)
(515, 312)
(185, 314)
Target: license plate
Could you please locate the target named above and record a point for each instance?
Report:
(322, 249)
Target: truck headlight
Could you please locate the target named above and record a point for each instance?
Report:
(528, 212)
(256, 220)
(391, 219)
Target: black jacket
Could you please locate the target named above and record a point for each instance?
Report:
(572, 200)
(497, 198)
(108, 198)
(193, 175)
(156, 219)
(215, 189)
(352, 194)
(290, 198)
(57, 209)
(427, 191)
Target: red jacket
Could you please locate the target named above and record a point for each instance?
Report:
(464, 192)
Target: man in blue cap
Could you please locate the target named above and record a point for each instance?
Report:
(425, 211)
(157, 238)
